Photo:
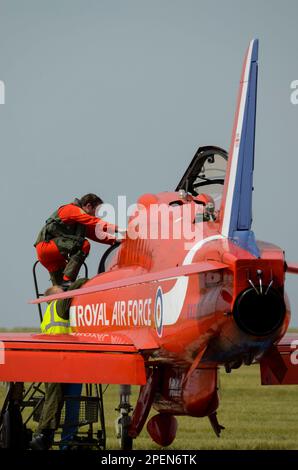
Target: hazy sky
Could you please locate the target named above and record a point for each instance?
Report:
(114, 97)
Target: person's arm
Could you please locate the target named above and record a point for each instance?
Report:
(98, 235)
(71, 214)
(62, 306)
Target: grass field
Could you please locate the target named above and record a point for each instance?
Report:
(255, 417)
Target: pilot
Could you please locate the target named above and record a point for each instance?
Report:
(207, 202)
(61, 245)
(56, 321)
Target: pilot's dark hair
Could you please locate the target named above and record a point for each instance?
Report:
(90, 199)
(53, 290)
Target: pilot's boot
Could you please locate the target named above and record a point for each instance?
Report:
(73, 266)
(57, 277)
(42, 440)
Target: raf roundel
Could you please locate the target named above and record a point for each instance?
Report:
(158, 311)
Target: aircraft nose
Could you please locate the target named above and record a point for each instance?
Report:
(259, 314)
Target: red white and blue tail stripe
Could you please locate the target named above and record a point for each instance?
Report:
(236, 210)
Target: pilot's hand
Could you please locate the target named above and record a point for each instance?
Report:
(121, 230)
(120, 233)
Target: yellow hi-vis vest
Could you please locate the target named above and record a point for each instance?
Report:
(52, 324)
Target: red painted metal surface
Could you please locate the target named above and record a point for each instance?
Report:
(134, 280)
(126, 340)
(280, 365)
(65, 359)
(292, 268)
(181, 394)
(144, 402)
(162, 428)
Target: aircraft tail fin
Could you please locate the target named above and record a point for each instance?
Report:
(236, 209)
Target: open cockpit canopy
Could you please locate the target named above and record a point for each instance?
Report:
(206, 173)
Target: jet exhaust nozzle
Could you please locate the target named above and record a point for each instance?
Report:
(259, 314)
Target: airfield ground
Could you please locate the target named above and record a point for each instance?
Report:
(255, 417)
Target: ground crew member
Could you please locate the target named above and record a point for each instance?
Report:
(55, 321)
(61, 244)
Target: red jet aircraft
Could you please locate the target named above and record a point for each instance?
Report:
(165, 312)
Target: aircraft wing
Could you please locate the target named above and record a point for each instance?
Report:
(109, 357)
(185, 270)
(292, 268)
(280, 364)
(115, 358)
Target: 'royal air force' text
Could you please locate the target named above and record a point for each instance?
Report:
(125, 313)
